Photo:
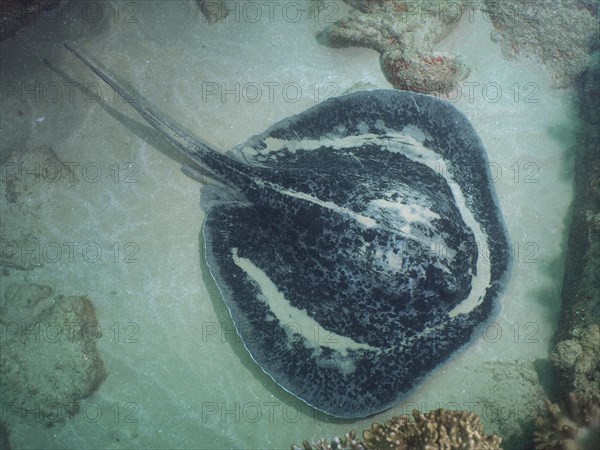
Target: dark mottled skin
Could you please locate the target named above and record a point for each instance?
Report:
(325, 262)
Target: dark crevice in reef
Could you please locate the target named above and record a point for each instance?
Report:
(577, 352)
(16, 14)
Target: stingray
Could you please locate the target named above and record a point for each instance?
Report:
(358, 245)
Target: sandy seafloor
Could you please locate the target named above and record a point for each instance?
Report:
(190, 385)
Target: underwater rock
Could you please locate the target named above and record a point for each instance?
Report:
(438, 429)
(573, 426)
(404, 33)
(576, 424)
(213, 11)
(30, 181)
(590, 92)
(577, 353)
(578, 363)
(560, 35)
(4, 437)
(435, 73)
(49, 360)
(26, 296)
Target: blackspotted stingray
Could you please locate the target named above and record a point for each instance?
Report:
(358, 245)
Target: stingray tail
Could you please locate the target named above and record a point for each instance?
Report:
(215, 162)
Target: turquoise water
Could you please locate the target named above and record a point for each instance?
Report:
(121, 224)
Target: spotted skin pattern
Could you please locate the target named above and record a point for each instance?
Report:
(357, 245)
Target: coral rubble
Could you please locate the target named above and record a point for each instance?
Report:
(404, 33)
(348, 443)
(572, 426)
(436, 430)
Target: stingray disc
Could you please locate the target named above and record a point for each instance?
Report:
(358, 245)
(365, 251)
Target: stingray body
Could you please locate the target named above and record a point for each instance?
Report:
(358, 245)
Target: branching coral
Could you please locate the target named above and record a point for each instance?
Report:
(436, 430)
(573, 426)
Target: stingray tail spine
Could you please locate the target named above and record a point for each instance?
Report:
(191, 146)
